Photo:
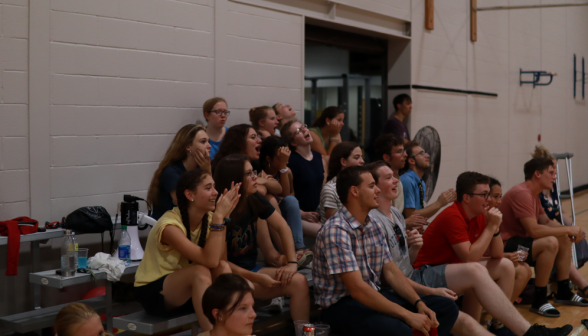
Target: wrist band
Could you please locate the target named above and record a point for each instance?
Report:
(497, 233)
(292, 262)
(417, 302)
(284, 171)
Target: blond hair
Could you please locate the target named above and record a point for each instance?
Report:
(209, 105)
(257, 114)
(72, 315)
(176, 152)
(542, 152)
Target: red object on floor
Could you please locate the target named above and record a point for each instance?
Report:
(432, 332)
(13, 229)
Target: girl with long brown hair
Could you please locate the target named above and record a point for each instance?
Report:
(189, 150)
(184, 249)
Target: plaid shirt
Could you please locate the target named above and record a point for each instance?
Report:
(345, 245)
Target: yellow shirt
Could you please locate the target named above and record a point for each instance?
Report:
(161, 259)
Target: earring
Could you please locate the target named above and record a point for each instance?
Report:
(328, 124)
(192, 200)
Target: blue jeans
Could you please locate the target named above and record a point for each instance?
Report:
(349, 317)
(291, 212)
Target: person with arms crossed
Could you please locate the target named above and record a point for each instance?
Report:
(445, 279)
(352, 258)
(549, 243)
(418, 161)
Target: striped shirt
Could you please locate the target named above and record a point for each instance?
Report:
(345, 245)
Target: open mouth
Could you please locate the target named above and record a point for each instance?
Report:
(257, 148)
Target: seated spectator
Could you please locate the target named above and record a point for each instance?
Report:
(248, 230)
(228, 304)
(264, 121)
(390, 148)
(345, 154)
(284, 113)
(352, 258)
(460, 277)
(463, 232)
(78, 319)
(415, 188)
(326, 130)
(307, 168)
(184, 249)
(395, 124)
(552, 207)
(216, 113)
(189, 150)
(523, 271)
(275, 154)
(549, 243)
(242, 139)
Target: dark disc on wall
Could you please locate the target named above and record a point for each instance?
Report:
(429, 140)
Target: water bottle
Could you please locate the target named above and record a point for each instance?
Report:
(124, 246)
(75, 242)
(68, 256)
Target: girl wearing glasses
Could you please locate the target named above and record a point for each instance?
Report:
(216, 113)
(248, 230)
(190, 149)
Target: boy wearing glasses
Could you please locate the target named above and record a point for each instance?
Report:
(448, 275)
(417, 163)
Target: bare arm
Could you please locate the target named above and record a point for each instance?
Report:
(496, 247)
(329, 212)
(535, 230)
(272, 185)
(317, 144)
(469, 252)
(445, 198)
(278, 223)
(264, 241)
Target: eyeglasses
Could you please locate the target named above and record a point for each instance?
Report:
(303, 127)
(485, 195)
(255, 137)
(251, 174)
(400, 237)
(221, 112)
(399, 152)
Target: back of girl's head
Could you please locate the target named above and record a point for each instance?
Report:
(341, 151)
(269, 148)
(234, 142)
(209, 104)
(330, 112)
(190, 180)
(257, 114)
(71, 316)
(542, 152)
(222, 293)
(176, 152)
(230, 169)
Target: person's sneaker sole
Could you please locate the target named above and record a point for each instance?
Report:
(306, 259)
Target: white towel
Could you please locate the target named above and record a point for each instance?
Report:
(113, 267)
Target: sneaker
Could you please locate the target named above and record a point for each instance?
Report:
(502, 331)
(541, 330)
(305, 259)
(276, 305)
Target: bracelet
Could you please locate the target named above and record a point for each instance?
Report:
(216, 227)
(497, 233)
(417, 302)
(292, 262)
(284, 171)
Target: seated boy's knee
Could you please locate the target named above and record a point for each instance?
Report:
(300, 283)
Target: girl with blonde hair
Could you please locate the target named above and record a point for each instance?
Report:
(78, 319)
(189, 150)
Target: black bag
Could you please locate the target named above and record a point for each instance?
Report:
(90, 219)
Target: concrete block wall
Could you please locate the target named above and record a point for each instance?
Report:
(14, 123)
(496, 135)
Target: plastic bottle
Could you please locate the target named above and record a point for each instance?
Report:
(68, 256)
(75, 242)
(124, 246)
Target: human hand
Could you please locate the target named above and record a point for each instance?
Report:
(312, 217)
(423, 309)
(445, 292)
(414, 238)
(494, 218)
(284, 156)
(228, 201)
(202, 159)
(285, 273)
(416, 221)
(267, 281)
(447, 197)
(420, 322)
(575, 234)
(514, 256)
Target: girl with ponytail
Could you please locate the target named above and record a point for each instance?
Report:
(184, 249)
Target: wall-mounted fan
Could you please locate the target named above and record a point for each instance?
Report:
(428, 138)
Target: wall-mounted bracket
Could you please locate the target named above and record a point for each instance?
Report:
(536, 77)
(579, 78)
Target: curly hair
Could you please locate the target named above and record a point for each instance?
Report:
(543, 152)
(235, 142)
(190, 180)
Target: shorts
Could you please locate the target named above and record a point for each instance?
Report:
(150, 298)
(513, 243)
(430, 276)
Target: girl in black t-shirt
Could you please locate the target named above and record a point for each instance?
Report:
(248, 229)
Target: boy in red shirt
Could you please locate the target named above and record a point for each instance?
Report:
(463, 232)
(550, 243)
